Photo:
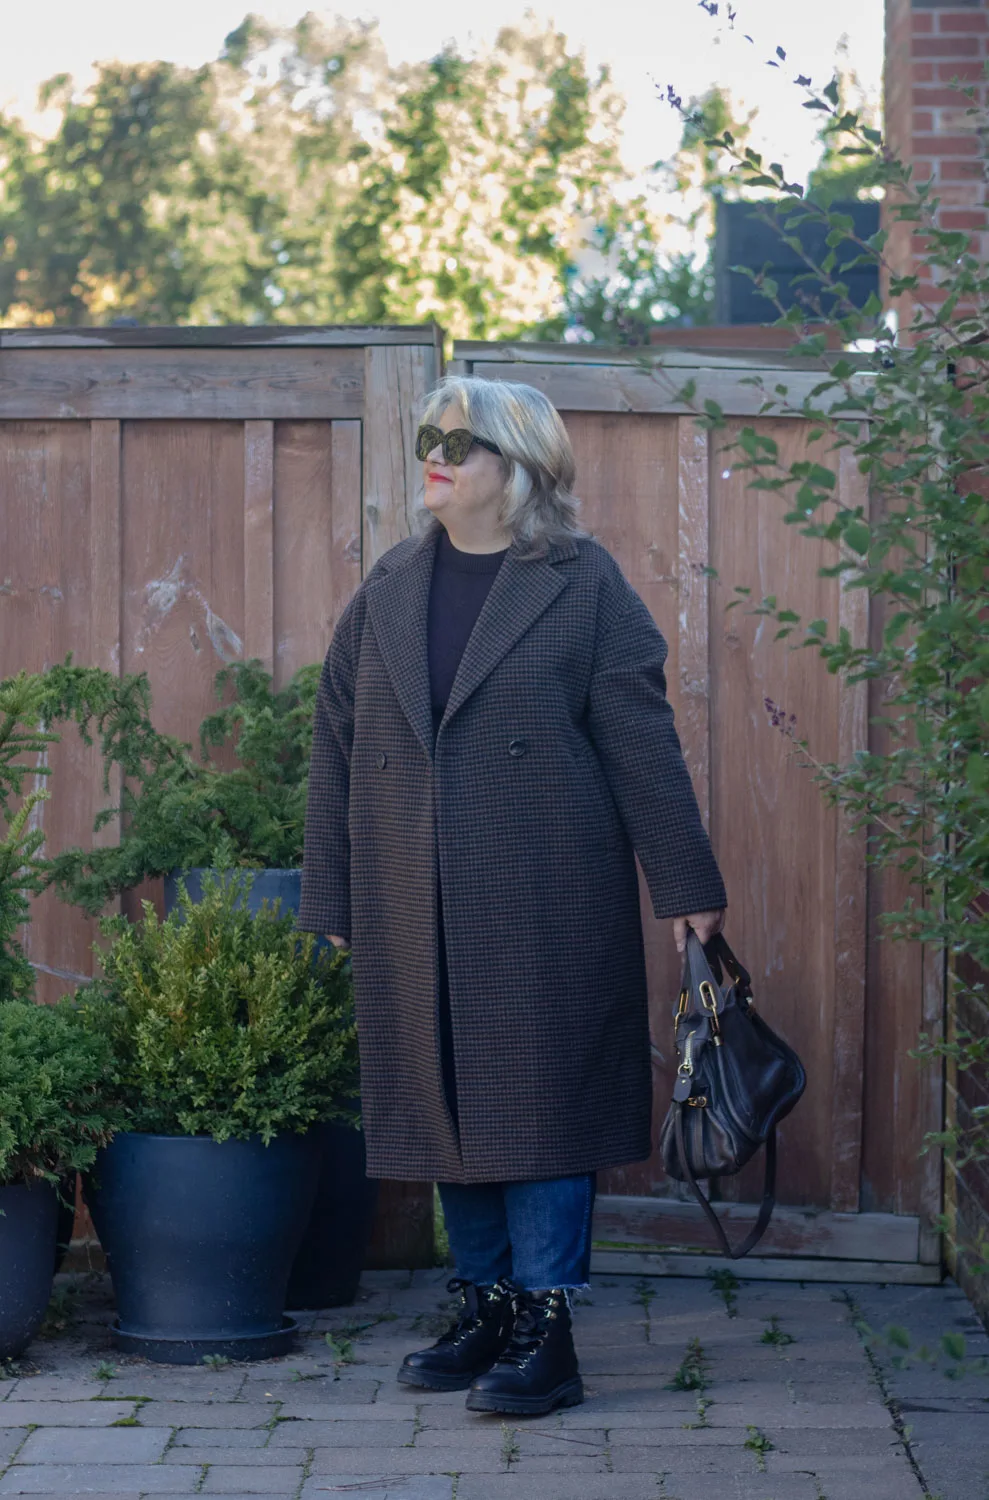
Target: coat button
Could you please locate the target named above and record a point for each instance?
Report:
(382, 760)
(516, 747)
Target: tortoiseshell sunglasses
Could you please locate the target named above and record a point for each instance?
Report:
(456, 444)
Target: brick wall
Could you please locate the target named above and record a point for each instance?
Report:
(930, 43)
(927, 45)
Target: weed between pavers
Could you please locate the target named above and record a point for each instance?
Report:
(702, 1406)
(774, 1334)
(105, 1371)
(126, 1422)
(215, 1361)
(510, 1449)
(725, 1284)
(690, 1374)
(758, 1443)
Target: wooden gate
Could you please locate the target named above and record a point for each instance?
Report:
(856, 1198)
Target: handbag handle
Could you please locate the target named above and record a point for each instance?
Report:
(697, 969)
(758, 1229)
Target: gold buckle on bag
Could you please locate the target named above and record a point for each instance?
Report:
(710, 1004)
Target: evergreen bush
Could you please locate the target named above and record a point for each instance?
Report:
(221, 1022)
(54, 1111)
(180, 812)
(21, 870)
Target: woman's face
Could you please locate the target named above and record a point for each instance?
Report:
(467, 492)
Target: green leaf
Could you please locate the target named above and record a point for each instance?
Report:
(953, 1345)
(857, 536)
(977, 772)
(897, 1336)
(830, 92)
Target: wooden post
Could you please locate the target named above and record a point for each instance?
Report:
(848, 1058)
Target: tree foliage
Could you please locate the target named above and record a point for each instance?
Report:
(301, 178)
(914, 417)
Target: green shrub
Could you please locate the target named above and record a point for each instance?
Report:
(178, 811)
(21, 708)
(224, 1023)
(53, 1109)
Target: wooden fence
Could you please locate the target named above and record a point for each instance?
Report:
(175, 499)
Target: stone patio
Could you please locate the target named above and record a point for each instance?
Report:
(753, 1391)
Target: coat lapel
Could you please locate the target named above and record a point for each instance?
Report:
(399, 603)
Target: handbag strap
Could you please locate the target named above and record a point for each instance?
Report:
(758, 1229)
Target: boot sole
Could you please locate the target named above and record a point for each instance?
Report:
(427, 1382)
(571, 1393)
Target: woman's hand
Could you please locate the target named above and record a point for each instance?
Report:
(338, 942)
(704, 923)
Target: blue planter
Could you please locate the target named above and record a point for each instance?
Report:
(200, 1237)
(28, 1218)
(327, 1268)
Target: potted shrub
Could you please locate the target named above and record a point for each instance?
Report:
(231, 1038)
(22, 707)
(53, 1116)
(183, 816)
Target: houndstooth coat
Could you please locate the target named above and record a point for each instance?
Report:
(556, 758)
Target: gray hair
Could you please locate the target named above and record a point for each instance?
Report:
(539, 506)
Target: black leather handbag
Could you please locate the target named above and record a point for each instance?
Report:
(736, 1079)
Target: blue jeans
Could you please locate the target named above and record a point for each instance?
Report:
(539, 1233)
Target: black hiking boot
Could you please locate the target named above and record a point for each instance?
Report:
(470, 1345)
(538, 1369)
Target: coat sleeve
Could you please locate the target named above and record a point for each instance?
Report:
(630, 722)
(325, 900)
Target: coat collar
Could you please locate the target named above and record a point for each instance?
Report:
(398, 604)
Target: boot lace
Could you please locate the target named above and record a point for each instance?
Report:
(531, 1317)
(470, 1309)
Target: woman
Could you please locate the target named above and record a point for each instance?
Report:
(492, 745)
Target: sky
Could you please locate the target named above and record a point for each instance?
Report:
(648, 44)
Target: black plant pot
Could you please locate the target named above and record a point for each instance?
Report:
(327, 1268)
(200, 1238)
(27, 1262)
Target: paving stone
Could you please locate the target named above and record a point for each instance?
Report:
(104, 1445)
(832, 1415)
(11, 1439)
(233, 1479)
(566, 1487)
(67, 1414)
(55, 1388)
(458, 1457)
(677, 1437)
(857, 1465)
(225, 1458)
(101, 1479)
(559, 1463)
(312, 1434)
(407, 1487)
(576, 1440)
(814, 1443)
(726, 1458)
(741, 1487)
(232, 1439)
(213, 1414)
(171, 1388)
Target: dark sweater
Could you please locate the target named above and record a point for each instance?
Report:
(458, 589)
